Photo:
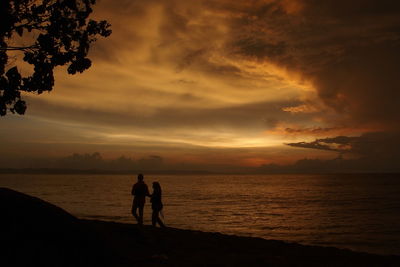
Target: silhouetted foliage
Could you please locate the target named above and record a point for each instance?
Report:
(59, 32)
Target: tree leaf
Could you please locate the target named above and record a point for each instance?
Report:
(65, 35)
(20, 31)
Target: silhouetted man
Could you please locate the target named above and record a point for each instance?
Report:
(139, 191)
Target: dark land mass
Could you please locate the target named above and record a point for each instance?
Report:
(36, 233)
(96, 171)
(174, 172)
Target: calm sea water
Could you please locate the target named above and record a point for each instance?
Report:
(359, 212)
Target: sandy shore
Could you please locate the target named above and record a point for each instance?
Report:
(37, 233)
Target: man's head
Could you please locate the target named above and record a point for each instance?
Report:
(140, 177)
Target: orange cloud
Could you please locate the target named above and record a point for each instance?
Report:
(220, 75)
(292, 7)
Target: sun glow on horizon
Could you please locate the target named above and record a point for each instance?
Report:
(222, 82)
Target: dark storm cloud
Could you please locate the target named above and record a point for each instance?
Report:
(177, 70)
(369, 143)
(255, 47)
(339, 143)
(310, 131)
(373, 151)
(349, 49)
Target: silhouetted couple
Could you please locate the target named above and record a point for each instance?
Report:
(140, 191)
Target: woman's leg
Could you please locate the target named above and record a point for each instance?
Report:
(141, 215)
(154, 217)
(160, 222)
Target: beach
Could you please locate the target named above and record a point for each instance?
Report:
(357, 212)
(37, 233)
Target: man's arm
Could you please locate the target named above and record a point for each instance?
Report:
(147, 191)
(133, 189)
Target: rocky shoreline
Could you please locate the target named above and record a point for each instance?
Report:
(37, 233)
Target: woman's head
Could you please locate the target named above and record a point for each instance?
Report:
(156, 186)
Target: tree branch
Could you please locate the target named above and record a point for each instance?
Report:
(9, 48)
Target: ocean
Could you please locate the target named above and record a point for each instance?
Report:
(354, 211)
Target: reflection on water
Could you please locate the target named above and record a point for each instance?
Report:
(359, 212)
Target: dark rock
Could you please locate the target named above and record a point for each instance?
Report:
(36, 233)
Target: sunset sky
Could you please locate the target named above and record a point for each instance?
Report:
(218, 84)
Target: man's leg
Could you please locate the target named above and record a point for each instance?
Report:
(140, 220)
(135, 206)
(134, 212)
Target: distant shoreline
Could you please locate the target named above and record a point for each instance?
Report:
(92, 171)
(160, 172)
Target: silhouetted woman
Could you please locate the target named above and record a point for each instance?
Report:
(156, 205)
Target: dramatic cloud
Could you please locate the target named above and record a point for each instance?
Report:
(215, 80)
(372, 151)
(339, 143)
(346, 49)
